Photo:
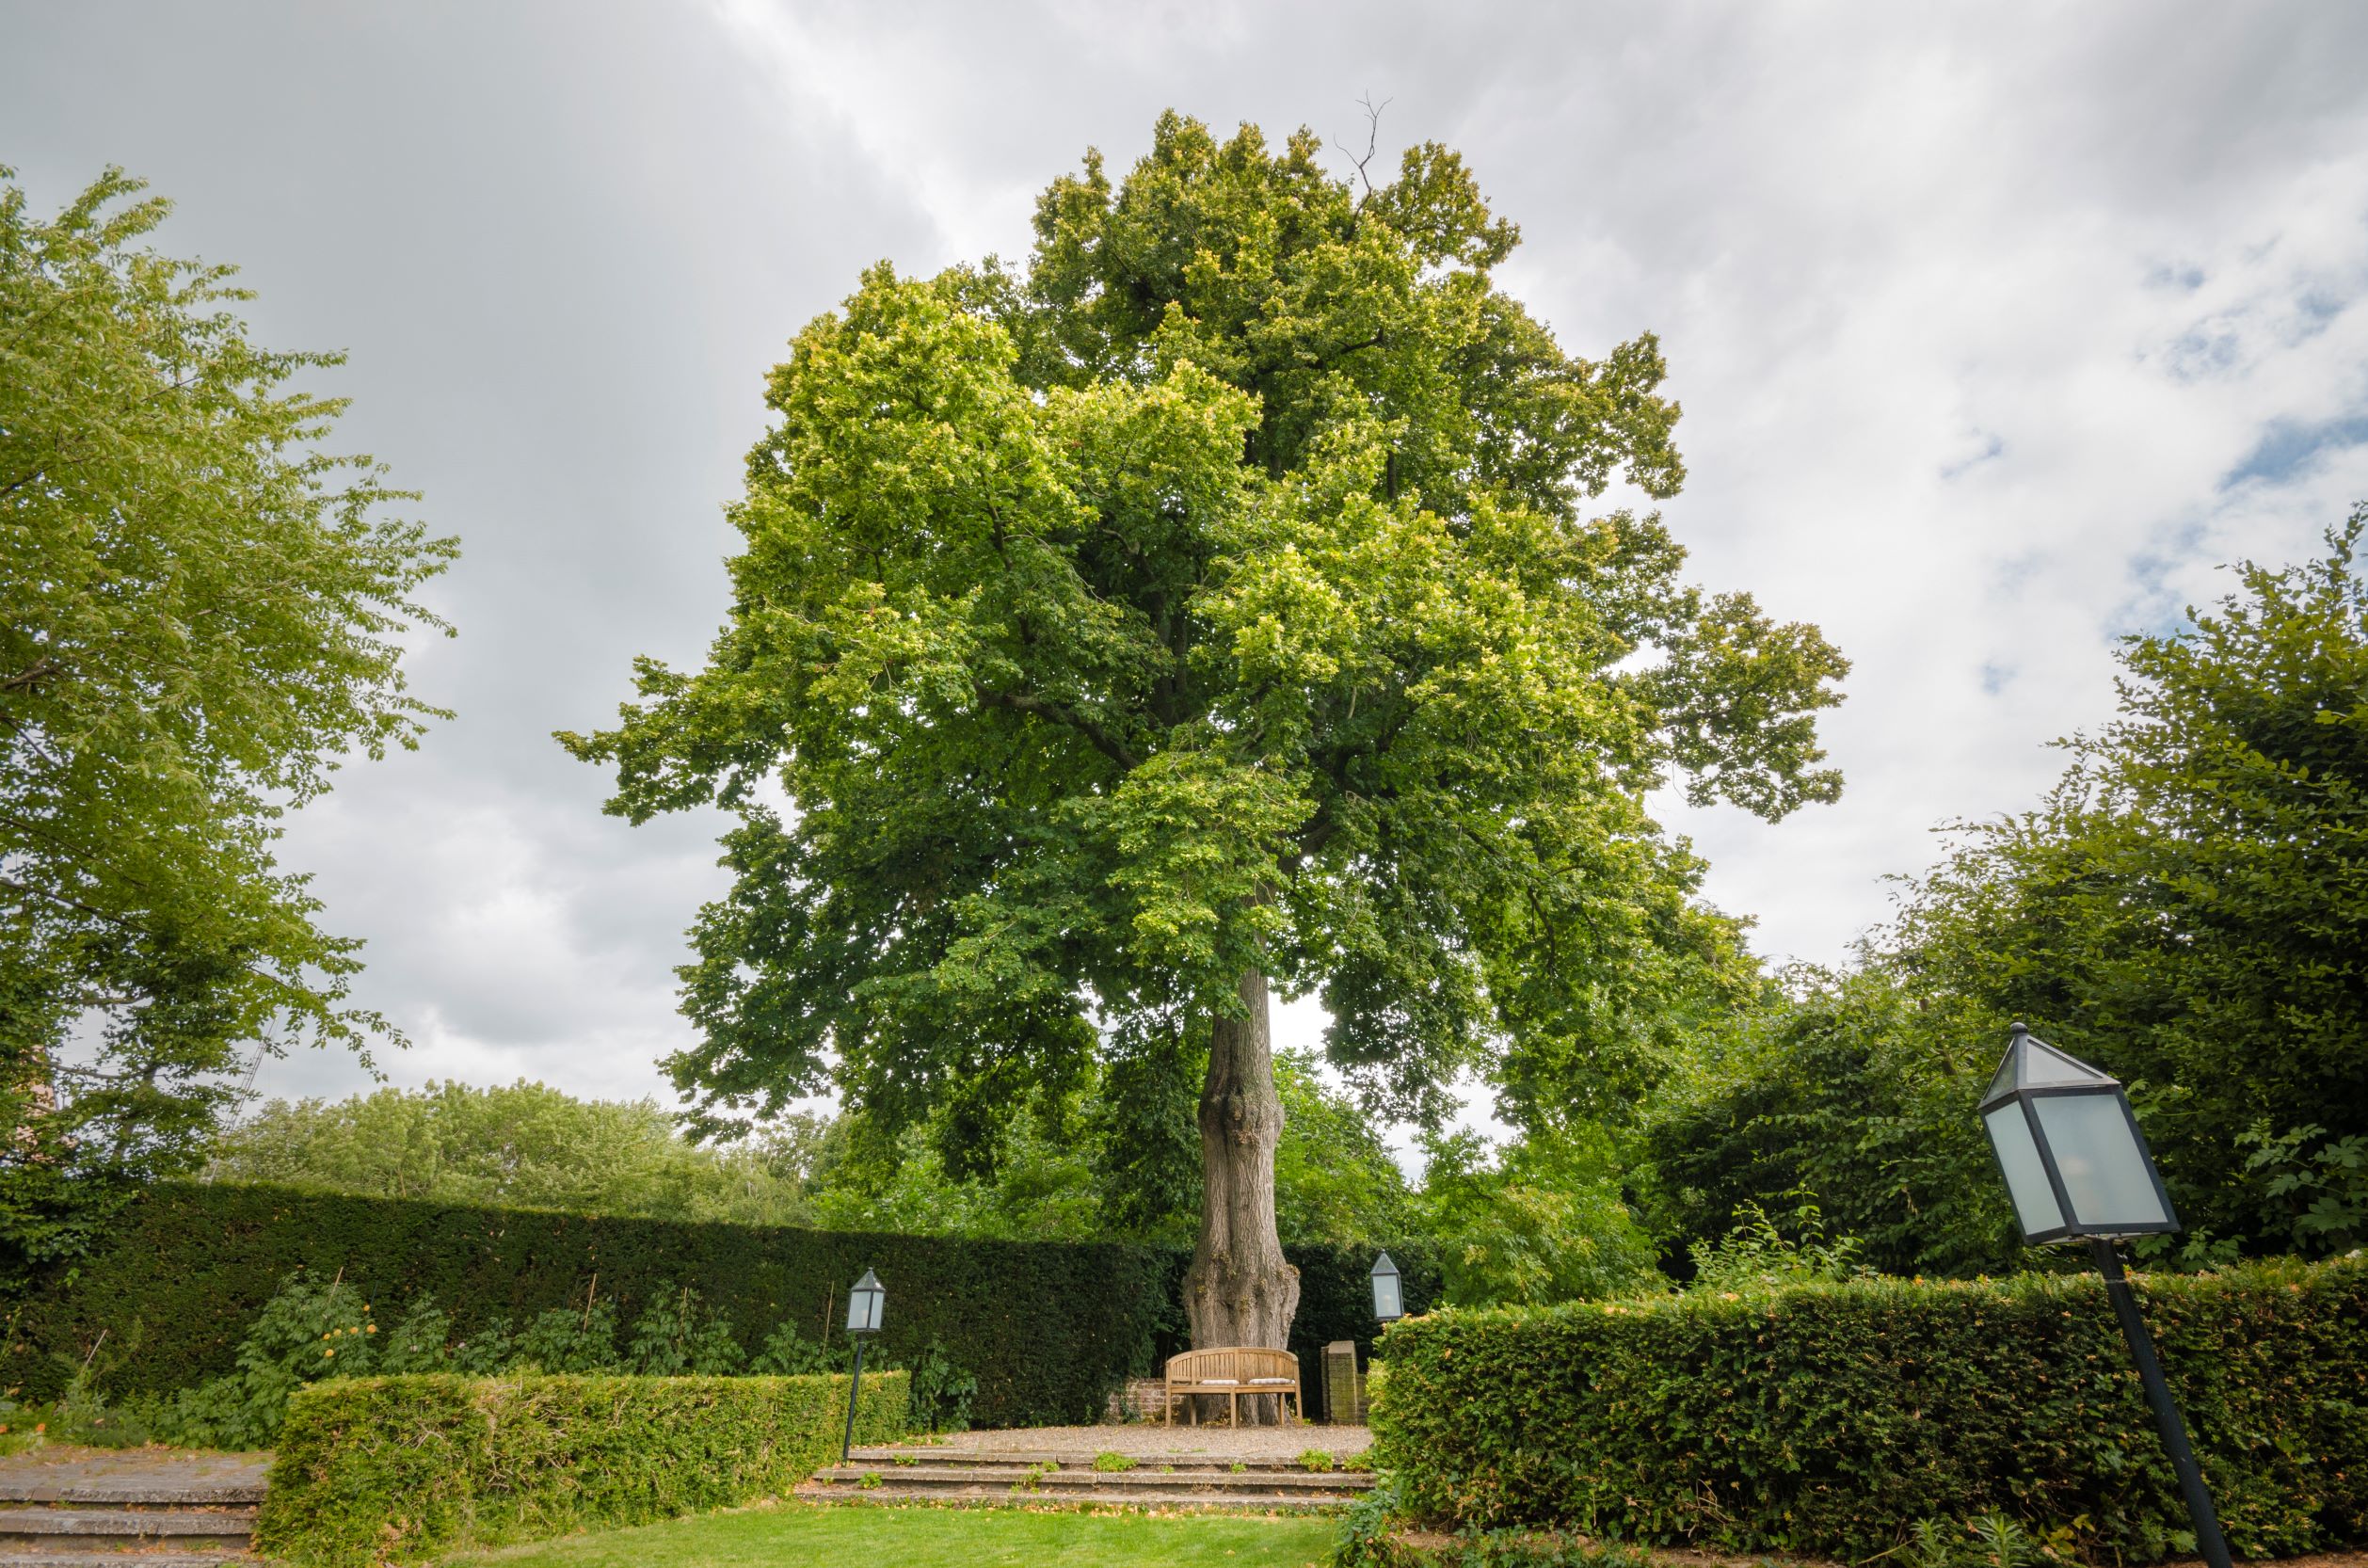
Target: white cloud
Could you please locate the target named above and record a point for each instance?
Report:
(1997, 328)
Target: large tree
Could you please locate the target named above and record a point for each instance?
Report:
(1207, 608)
(200, 613)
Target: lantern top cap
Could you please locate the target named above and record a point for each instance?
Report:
(1381, 1265)
(2031, 1062)
(869, 1282)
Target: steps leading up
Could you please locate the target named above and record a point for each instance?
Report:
(1056, 1478)
(181, 1516)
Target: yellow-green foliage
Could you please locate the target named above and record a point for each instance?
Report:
(1831, 1418)
(405, 1468)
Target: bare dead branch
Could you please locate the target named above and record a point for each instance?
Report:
(1372, 141)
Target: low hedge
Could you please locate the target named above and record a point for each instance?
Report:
(1047, 1328)
(396, 1469)
(1831, 1418)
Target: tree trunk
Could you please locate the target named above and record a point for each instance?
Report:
(1239, 1291)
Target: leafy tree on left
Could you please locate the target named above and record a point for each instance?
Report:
(200, 612)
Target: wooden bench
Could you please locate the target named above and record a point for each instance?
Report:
(1233, 1372)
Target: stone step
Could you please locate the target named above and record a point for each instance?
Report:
(1078, 1459)
(109, 1493)
(82, 1557)
(87, 1526)
(930, 1476)
(886, 1495)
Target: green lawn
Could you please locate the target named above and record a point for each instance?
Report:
(796, 1535)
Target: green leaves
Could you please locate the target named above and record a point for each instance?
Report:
(1828, 1418)
(202, 614)
(1209, 597)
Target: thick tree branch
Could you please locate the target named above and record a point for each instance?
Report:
(1108, 743)
(32, 675)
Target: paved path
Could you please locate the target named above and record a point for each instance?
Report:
(1139, 1438)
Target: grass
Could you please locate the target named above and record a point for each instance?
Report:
(799, 1535)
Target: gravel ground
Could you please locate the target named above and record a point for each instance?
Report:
(1141, 1438)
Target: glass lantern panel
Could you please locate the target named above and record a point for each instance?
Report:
(1387, 1303)
(2026, 1179)
(2105, 1172)
(2044, 1066)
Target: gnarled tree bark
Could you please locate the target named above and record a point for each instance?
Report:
(1239, 1291)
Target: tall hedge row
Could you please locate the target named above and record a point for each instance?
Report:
(1830, 1419)
(1047, 1328)
(398, 1469)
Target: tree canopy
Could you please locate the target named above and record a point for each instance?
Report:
(1210, 602)
(200, 613)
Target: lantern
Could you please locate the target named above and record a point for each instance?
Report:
(1389, 1302)
(2074, 1161)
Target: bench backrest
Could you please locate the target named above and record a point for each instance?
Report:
(1240, 1363)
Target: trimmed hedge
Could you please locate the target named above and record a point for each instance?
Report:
(394, 1469)
(1830, 1419)
(1047, 1328)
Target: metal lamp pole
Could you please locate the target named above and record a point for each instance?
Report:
(855, 1391)
(2209, 1541)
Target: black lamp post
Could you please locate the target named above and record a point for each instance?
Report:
(864, 1306)
(2078, 1169)
(1389, 1301)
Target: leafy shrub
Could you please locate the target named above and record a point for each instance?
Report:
(676, 1335)
(1829, 1417)
(295, 1339)
(405, 1468)
(2318, 1183)
(1317, 1459)
(788, 1353)
(1756, 1257)
(941, 1391)
(312, 1332)
(1110, 1462)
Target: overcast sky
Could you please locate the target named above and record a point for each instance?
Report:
(1996, 328)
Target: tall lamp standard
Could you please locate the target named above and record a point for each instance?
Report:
(2078, 1169)
(865, 1304)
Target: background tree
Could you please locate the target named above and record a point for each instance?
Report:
(2189, 907)
(527, 1146)
(1542, 1220)
(199, 613)
(1848, 1095)
(1205, 609)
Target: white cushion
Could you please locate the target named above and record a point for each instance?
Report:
(1273, 1380)
(1226, 1381)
